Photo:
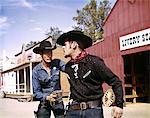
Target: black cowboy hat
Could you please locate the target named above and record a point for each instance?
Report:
(44, 45)
(77, 36)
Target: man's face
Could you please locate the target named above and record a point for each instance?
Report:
(47, 55)
(68, 49)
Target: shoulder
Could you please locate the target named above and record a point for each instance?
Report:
(38, 66)
(93, 58)
(56, 63)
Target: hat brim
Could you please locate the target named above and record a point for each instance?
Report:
(85, 40)
(38, 50)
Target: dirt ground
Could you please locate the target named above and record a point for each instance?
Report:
(11, 108)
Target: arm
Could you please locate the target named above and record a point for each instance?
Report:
(62, 65)
(111, 79)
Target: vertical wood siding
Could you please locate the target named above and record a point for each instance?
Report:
(127, 16)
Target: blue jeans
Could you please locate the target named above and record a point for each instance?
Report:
(44, 110)
(87, 113)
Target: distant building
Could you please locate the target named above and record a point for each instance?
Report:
(5, 63)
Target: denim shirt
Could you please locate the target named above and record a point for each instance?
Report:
(43, 84)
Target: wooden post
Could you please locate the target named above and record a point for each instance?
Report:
(31, 89)
(18, 86)
(133, 79)
(25, 81)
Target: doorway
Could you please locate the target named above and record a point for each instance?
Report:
(137, 77)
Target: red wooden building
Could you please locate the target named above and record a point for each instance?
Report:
(126, 47)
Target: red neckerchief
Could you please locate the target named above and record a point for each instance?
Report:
(80, 57)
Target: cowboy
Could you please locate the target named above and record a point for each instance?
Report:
(86, 74)
(46, 80)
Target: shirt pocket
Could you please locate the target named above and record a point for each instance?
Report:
(43, 79)
(85, 73)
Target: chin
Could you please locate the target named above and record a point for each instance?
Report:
(48, 61)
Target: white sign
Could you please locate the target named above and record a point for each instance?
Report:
(136, 39)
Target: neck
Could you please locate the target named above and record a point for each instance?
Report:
(76, 53)
(45, 64)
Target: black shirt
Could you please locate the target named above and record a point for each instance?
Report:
(86, 79)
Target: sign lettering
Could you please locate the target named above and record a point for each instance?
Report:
(136, 39)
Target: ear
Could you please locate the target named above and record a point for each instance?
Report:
(74, 44)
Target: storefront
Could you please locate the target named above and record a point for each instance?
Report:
(126, 47)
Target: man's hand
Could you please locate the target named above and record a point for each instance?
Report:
(51, 97)
(117, 112)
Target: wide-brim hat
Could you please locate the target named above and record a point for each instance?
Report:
(44, 45)
(77, 36)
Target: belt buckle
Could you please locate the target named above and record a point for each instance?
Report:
(83, 105)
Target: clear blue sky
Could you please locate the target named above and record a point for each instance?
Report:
(22, 21)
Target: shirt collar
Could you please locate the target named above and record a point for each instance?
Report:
(40, 66)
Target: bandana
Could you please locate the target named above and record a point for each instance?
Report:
(82, 55)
